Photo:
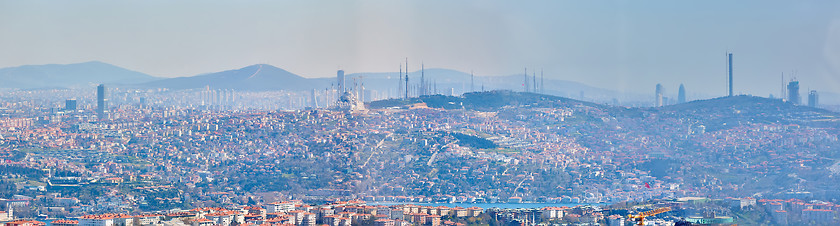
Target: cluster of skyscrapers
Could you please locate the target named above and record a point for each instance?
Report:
(794, 97)
(661, 100)
(789, 90)
(72, 105)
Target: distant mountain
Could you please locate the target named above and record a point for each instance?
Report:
(263, 77)
(68, 75)
(825, 98)
(260, 77)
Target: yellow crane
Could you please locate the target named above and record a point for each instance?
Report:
(640, 218)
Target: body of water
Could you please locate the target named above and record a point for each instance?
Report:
(492, 205)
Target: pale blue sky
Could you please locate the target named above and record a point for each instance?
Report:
(621, 45)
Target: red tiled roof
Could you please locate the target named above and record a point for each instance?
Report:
(201, 220)
(18, 222)
(63, 221)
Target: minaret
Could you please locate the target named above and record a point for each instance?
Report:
(422, 79)
(362, 96)
(406, 78)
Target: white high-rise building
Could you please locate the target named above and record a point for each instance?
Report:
(341, 82)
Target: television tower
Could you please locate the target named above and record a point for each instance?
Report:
(729, 58)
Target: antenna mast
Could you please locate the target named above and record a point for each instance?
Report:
(535, 82)
(526, 80)
(472, 81)
(542, 82)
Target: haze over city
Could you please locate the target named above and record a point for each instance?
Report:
(623, 46)
(419, 113)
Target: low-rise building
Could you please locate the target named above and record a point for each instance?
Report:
(817, 216)
(148, 219)
(25, 223)
(383, 222)
(96, 220)
(201, 222)
(63, 222)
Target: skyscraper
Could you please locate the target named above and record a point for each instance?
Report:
(681, 95)
(100, 102)
(399, 83)
(314, 97)
(659, 95)
(813, 99)
(70, 105)
(341, 83)
(793, 92)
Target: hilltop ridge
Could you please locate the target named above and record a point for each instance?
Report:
(258, 77)
(69, 75)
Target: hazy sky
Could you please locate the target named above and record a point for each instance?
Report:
(621, 45)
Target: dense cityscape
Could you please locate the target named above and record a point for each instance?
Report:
(419, 113)
(85, 156)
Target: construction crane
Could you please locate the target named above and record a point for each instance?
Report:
(640, 218)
